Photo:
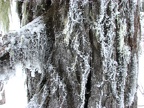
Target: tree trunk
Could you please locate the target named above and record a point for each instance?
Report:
(80, 54)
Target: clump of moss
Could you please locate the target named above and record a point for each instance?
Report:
(5, 9)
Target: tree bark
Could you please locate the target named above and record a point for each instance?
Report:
(81, 54)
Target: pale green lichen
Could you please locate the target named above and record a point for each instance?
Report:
(5, 9)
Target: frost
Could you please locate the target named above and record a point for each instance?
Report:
(127, 53)
(115, 70)
(33, 103)
(107, 44)
(75, 18)
(27, 45)
(31, 46)
(122, 33)
(15, 89)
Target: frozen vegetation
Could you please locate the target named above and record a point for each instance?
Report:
(83, 60)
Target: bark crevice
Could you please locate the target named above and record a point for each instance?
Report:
(88, 91)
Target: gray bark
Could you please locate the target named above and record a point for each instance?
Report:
(84, 54)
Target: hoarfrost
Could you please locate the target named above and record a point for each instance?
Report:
(27, 45)
(75, 17)
(31, 42)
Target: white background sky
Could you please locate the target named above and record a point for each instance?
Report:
(141, 69)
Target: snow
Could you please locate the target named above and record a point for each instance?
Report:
(15, 90)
